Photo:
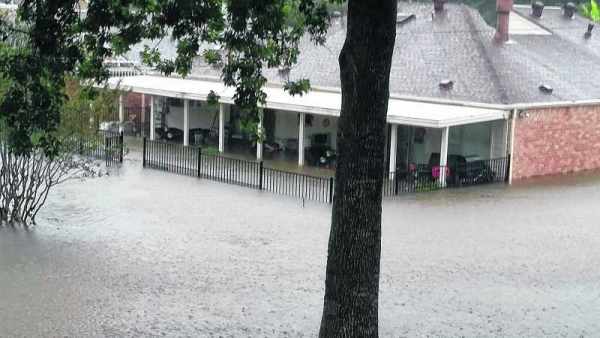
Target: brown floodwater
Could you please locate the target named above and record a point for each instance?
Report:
(145, 253)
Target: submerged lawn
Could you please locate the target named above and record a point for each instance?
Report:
(144, 253)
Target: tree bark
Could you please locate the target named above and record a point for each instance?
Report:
(353, 264)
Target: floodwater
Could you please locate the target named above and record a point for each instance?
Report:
(144, 253)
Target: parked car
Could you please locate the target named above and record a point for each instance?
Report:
(321, 156)
(463, 170)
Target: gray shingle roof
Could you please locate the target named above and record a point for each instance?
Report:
(458, 46)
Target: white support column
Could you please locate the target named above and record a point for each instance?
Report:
(493, 136)
(393, 149)
(513, 125)
(506, 140)
(301, 124)
(259, 144)
(444, 156)
(221, 128)
(152, 131)
(121, 113)
(186, 122)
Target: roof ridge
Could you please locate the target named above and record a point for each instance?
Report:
(558, 36)
(484, 53)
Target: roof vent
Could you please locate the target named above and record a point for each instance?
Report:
(546, 89)
(537, 8)
(404, 18)
(446, 84)
(588, 34)
(569, 10)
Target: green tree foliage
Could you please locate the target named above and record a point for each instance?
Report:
(591, 11)
(253, 35)
(35, 54)
(85, 107)
(62, 40)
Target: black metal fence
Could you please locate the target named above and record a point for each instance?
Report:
(307, 187)
(190, 161)
(409, 182)
(102, 145)
(170, 157)
(232, 171)
(137, 121)
(424, 177)
(479, 172)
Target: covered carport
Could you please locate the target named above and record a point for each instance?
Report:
(441, 116)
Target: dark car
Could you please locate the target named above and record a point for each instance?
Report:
(463, 171)
(170, 134)
(321, 156)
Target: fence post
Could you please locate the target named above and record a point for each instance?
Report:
(396, 183)
(144, 153)
(331, 190)
(199, 161)
(260, 175)
(507, 165)
(121, 149)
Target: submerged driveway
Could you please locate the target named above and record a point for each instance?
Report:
(144, 253)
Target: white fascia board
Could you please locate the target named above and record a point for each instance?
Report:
(326, 108)
(439, 124)
(477, 119)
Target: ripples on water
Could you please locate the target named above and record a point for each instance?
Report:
(144, 253)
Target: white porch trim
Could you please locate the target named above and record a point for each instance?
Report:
(259, 144)
(301, 132)
(221, 128)
(513, 125)
(152, 120)
(186, 122)
(444, 155)
(393, 149)
(327, 103)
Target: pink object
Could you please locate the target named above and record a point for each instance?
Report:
(435, 171)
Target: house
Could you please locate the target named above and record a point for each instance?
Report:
(460, 89)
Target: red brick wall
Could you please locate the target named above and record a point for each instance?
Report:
(556, 141)
(134, 100)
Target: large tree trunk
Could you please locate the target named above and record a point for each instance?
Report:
(352, 281)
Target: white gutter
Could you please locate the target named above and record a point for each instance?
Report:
(529, 6)
(459, 103)
(507, 107)
(560, 104)
(229, 100)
